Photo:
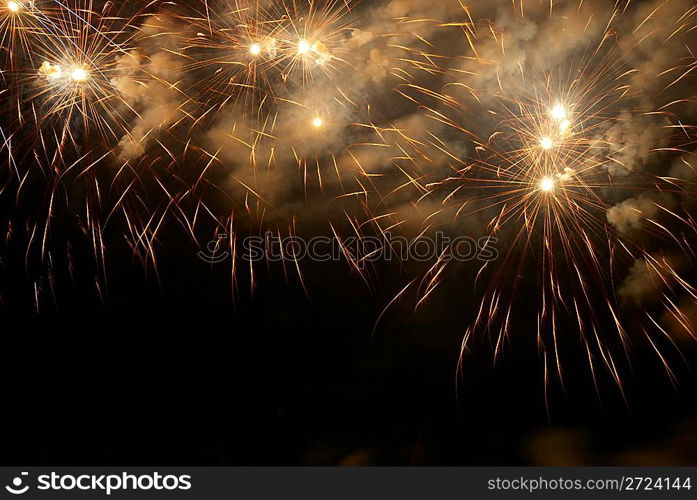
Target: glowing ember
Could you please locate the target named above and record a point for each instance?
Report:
(547, 184)
(564, 127)
(79, 74)
(558, 112)
(304, 47)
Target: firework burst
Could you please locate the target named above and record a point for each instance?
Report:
(548, 182)
(243, 115)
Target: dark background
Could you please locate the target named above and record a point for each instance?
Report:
(180, 371)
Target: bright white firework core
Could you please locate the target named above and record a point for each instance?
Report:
(13, 6)
(546, 143)
(303, 47)
(79, 74)
(317, 122)
(255, 49)
(558, 112)
(547, 184)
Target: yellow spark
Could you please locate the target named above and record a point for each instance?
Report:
(317, 122)
(255, 49)
(14, 6)
(558, 112)
(564, 127)
(304, 47)
(546, 143)
(547, 184)
(79, 74)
